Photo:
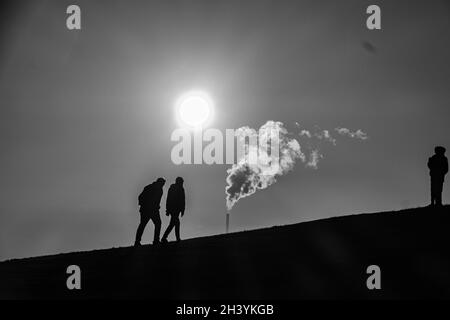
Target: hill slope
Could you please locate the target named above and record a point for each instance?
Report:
(319, 259)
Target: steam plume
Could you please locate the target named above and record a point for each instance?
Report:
(359, 134)
(246, 177)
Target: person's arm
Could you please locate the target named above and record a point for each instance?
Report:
(168, 202)
(445, 166)
(429, 163)
(183, 203)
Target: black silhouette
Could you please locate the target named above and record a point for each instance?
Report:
(175, 205)
(283, 262)
(438, 165)
(149, 202)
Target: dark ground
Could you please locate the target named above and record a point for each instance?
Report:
(320, 259)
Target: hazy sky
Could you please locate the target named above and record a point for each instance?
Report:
(86, 116)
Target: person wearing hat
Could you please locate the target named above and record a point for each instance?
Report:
(438, 165)
(175, 205)
(149, 202)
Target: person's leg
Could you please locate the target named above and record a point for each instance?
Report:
(169, 228)
(157, 221)
(177, 227)
(140, 229)
(439, 188)
(433, 191)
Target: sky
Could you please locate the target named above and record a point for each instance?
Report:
(87, 115)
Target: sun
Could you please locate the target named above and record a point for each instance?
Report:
(194, 109)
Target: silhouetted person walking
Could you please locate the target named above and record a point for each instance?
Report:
(438, 165)
(175, 205)
(149, 202)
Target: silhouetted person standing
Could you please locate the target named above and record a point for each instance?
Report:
(438, 165)
(175, 205)
(149, 202)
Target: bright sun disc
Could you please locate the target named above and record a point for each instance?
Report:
(194, 108)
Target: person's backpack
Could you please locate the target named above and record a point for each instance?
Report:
(146, 196)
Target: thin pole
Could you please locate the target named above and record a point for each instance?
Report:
(228, 221)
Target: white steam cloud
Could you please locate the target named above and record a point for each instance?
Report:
(246, 177)
(358, 134)
(314, 157)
